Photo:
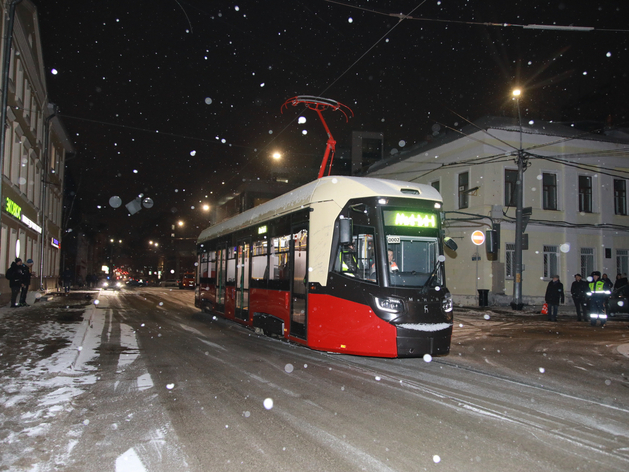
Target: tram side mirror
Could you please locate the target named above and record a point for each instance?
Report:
(450, 244)
(345, 230)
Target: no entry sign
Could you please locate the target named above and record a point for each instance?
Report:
(478, 237)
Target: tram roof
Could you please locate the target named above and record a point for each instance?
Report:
(338, 189)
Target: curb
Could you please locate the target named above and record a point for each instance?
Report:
(86, 324)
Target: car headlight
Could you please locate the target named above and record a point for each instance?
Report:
(390, 305)
(105, 284)
(118, 284)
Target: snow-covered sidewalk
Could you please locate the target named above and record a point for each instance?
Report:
(43, 365)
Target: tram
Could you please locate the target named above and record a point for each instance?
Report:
(350, 265)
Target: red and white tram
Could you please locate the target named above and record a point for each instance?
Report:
(343, 264)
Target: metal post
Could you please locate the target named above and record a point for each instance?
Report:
(517, 304)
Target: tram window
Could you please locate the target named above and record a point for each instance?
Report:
(212, 265)
(204, 267)
(231, 265)
(358, 259)
(259, 264)
(415, 260)
(279, 277)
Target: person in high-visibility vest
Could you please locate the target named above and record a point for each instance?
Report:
(597, 294)
(349, 263)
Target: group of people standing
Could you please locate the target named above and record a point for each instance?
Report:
(589, 296)
(19, 275)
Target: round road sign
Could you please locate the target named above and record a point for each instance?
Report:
(478, 237)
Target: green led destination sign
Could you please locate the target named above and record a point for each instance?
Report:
(410, 219)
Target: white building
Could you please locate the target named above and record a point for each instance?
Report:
(34, 154)
(575, 183)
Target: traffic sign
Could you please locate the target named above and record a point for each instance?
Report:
(478, 237)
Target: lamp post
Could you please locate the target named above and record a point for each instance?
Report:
(517, 304)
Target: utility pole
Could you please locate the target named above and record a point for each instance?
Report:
(520, 224)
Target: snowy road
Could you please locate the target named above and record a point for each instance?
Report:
(180, 390)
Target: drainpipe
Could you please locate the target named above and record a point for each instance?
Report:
(44, 180)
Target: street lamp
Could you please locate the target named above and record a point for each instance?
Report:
(517, 304)
(276, 155)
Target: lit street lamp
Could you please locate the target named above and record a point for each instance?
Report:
(517, 304)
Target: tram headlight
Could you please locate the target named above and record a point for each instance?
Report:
(446, 303)
(390, 305)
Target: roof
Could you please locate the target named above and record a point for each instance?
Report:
(506, 124)
(338, 189)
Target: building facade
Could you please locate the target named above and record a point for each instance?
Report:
(33, 156)
(575, 184)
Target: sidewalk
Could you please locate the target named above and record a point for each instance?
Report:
(40, 371)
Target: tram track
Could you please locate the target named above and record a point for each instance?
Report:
(522, 416)
(603, 432)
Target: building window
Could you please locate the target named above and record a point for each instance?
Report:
(511, 179)
(585, 193)
(551, 261)
(549, 183)
(587, 261)
(435, 185)
(510, 260)
(622, 261)
(464, 185)
(620, 197)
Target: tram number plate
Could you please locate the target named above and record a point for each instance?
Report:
(393, 240)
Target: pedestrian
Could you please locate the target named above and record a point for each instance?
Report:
(578, 290)
(67, 280)
(597, 293)
(621, 281)
(15, 276)
(554, 296)
(608, 283)
(27, 273)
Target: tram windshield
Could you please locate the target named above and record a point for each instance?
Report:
(412, 249)
(412, 260)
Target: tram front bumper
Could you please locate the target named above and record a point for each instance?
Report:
(416, 340)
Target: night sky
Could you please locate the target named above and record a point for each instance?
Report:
(180, 99)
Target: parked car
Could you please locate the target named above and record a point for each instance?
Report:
(169, 283)
(187, 281)
(618, 301)
(135, 283)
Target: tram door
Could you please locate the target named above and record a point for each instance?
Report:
(242, 280)
(221, 263)
(299, 283)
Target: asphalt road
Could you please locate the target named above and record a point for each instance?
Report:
(177, 389)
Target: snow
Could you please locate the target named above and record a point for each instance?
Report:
(428, 327)
(36, 396)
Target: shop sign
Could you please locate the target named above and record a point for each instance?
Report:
(15, 210)
(55, 243)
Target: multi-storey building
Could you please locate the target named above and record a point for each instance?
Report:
(33, 158)
(575, 184)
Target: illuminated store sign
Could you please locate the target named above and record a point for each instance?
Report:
(15, 210)
(410, 219)
(262, 229)
(55, 242)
